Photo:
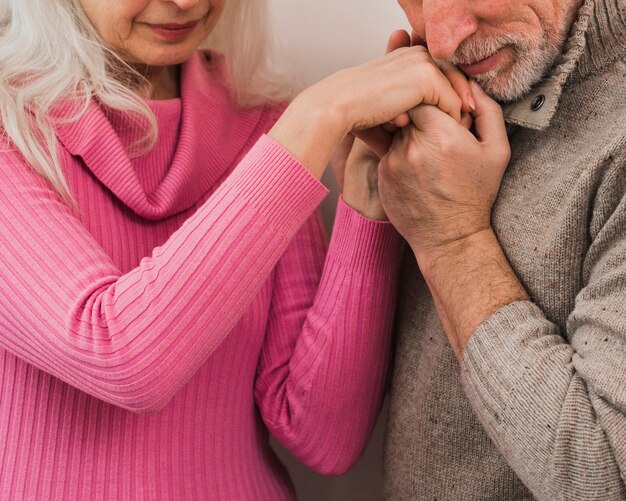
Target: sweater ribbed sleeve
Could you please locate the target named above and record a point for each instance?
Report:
(133, 339)
(151, 336)
(557, 409)
(323, 368)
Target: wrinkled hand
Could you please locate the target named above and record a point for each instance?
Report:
(439, 181)
(355, 167)
(355, 163)
(380, 137)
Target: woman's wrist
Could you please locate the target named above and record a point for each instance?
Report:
(310, 130)
(361, 194)
(368, 207)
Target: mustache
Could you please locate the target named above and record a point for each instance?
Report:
(476, 49)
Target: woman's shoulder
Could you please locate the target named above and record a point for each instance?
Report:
(18, 180)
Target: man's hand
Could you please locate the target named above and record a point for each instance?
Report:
(438, 184)
(439, 181)
(355, 164)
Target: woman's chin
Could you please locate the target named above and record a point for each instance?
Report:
(162, 56)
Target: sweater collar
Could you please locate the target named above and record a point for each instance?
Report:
(597, 39)
(214, 135)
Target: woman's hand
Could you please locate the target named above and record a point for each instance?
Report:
(355, 163)
(378, 91)
(458, 80)
(355, 167)
(360, 98)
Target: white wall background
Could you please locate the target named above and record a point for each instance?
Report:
(317, 38)
(323, 36)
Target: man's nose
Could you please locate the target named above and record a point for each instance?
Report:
(446, 24)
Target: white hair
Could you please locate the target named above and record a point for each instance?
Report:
(243, 36)
(50, 51)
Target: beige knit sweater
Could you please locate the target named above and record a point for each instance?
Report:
(537, 408)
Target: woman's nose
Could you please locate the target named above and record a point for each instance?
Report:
(185, 4)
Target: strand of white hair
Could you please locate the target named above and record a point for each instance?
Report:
(49, 52)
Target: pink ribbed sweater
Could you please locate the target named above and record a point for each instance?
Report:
(150, 338)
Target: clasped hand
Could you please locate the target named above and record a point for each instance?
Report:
(439, 179)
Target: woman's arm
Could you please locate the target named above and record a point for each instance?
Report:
(134, 339)
(324, 363)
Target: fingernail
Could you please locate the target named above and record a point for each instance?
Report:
(471, 102)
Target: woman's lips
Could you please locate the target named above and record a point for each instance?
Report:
(484, 65)
(173, 32)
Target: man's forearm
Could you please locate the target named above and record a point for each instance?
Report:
(469, 279)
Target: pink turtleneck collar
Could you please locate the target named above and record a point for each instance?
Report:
(202, 136)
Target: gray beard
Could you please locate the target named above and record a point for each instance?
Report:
(534, 57)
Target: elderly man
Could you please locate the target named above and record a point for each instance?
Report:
(510, 368)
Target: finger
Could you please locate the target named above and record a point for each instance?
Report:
(401, 120)
(416, 39)
(376, 138)
(459, 83)
(457, 80)
(488, 118)
(467, 120)
(399, 38)
(430, 118)
(360, 152)
(443, 95)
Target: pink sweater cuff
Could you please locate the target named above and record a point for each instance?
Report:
(363, 243)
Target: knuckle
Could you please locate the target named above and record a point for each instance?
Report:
(420, 49)
(447, 146)
(403, 51)
(413, 153)
(502, 153)
(431, 69)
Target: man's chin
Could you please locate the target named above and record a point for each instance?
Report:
(514, 82)
(504, 95)
(506, 88)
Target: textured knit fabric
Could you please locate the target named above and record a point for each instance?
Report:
(537, 408)
(152, 336)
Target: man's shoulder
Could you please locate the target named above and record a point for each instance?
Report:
(589, 121)
(580, 153)
(592, 116)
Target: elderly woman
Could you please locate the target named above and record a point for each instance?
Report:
(166, 298)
